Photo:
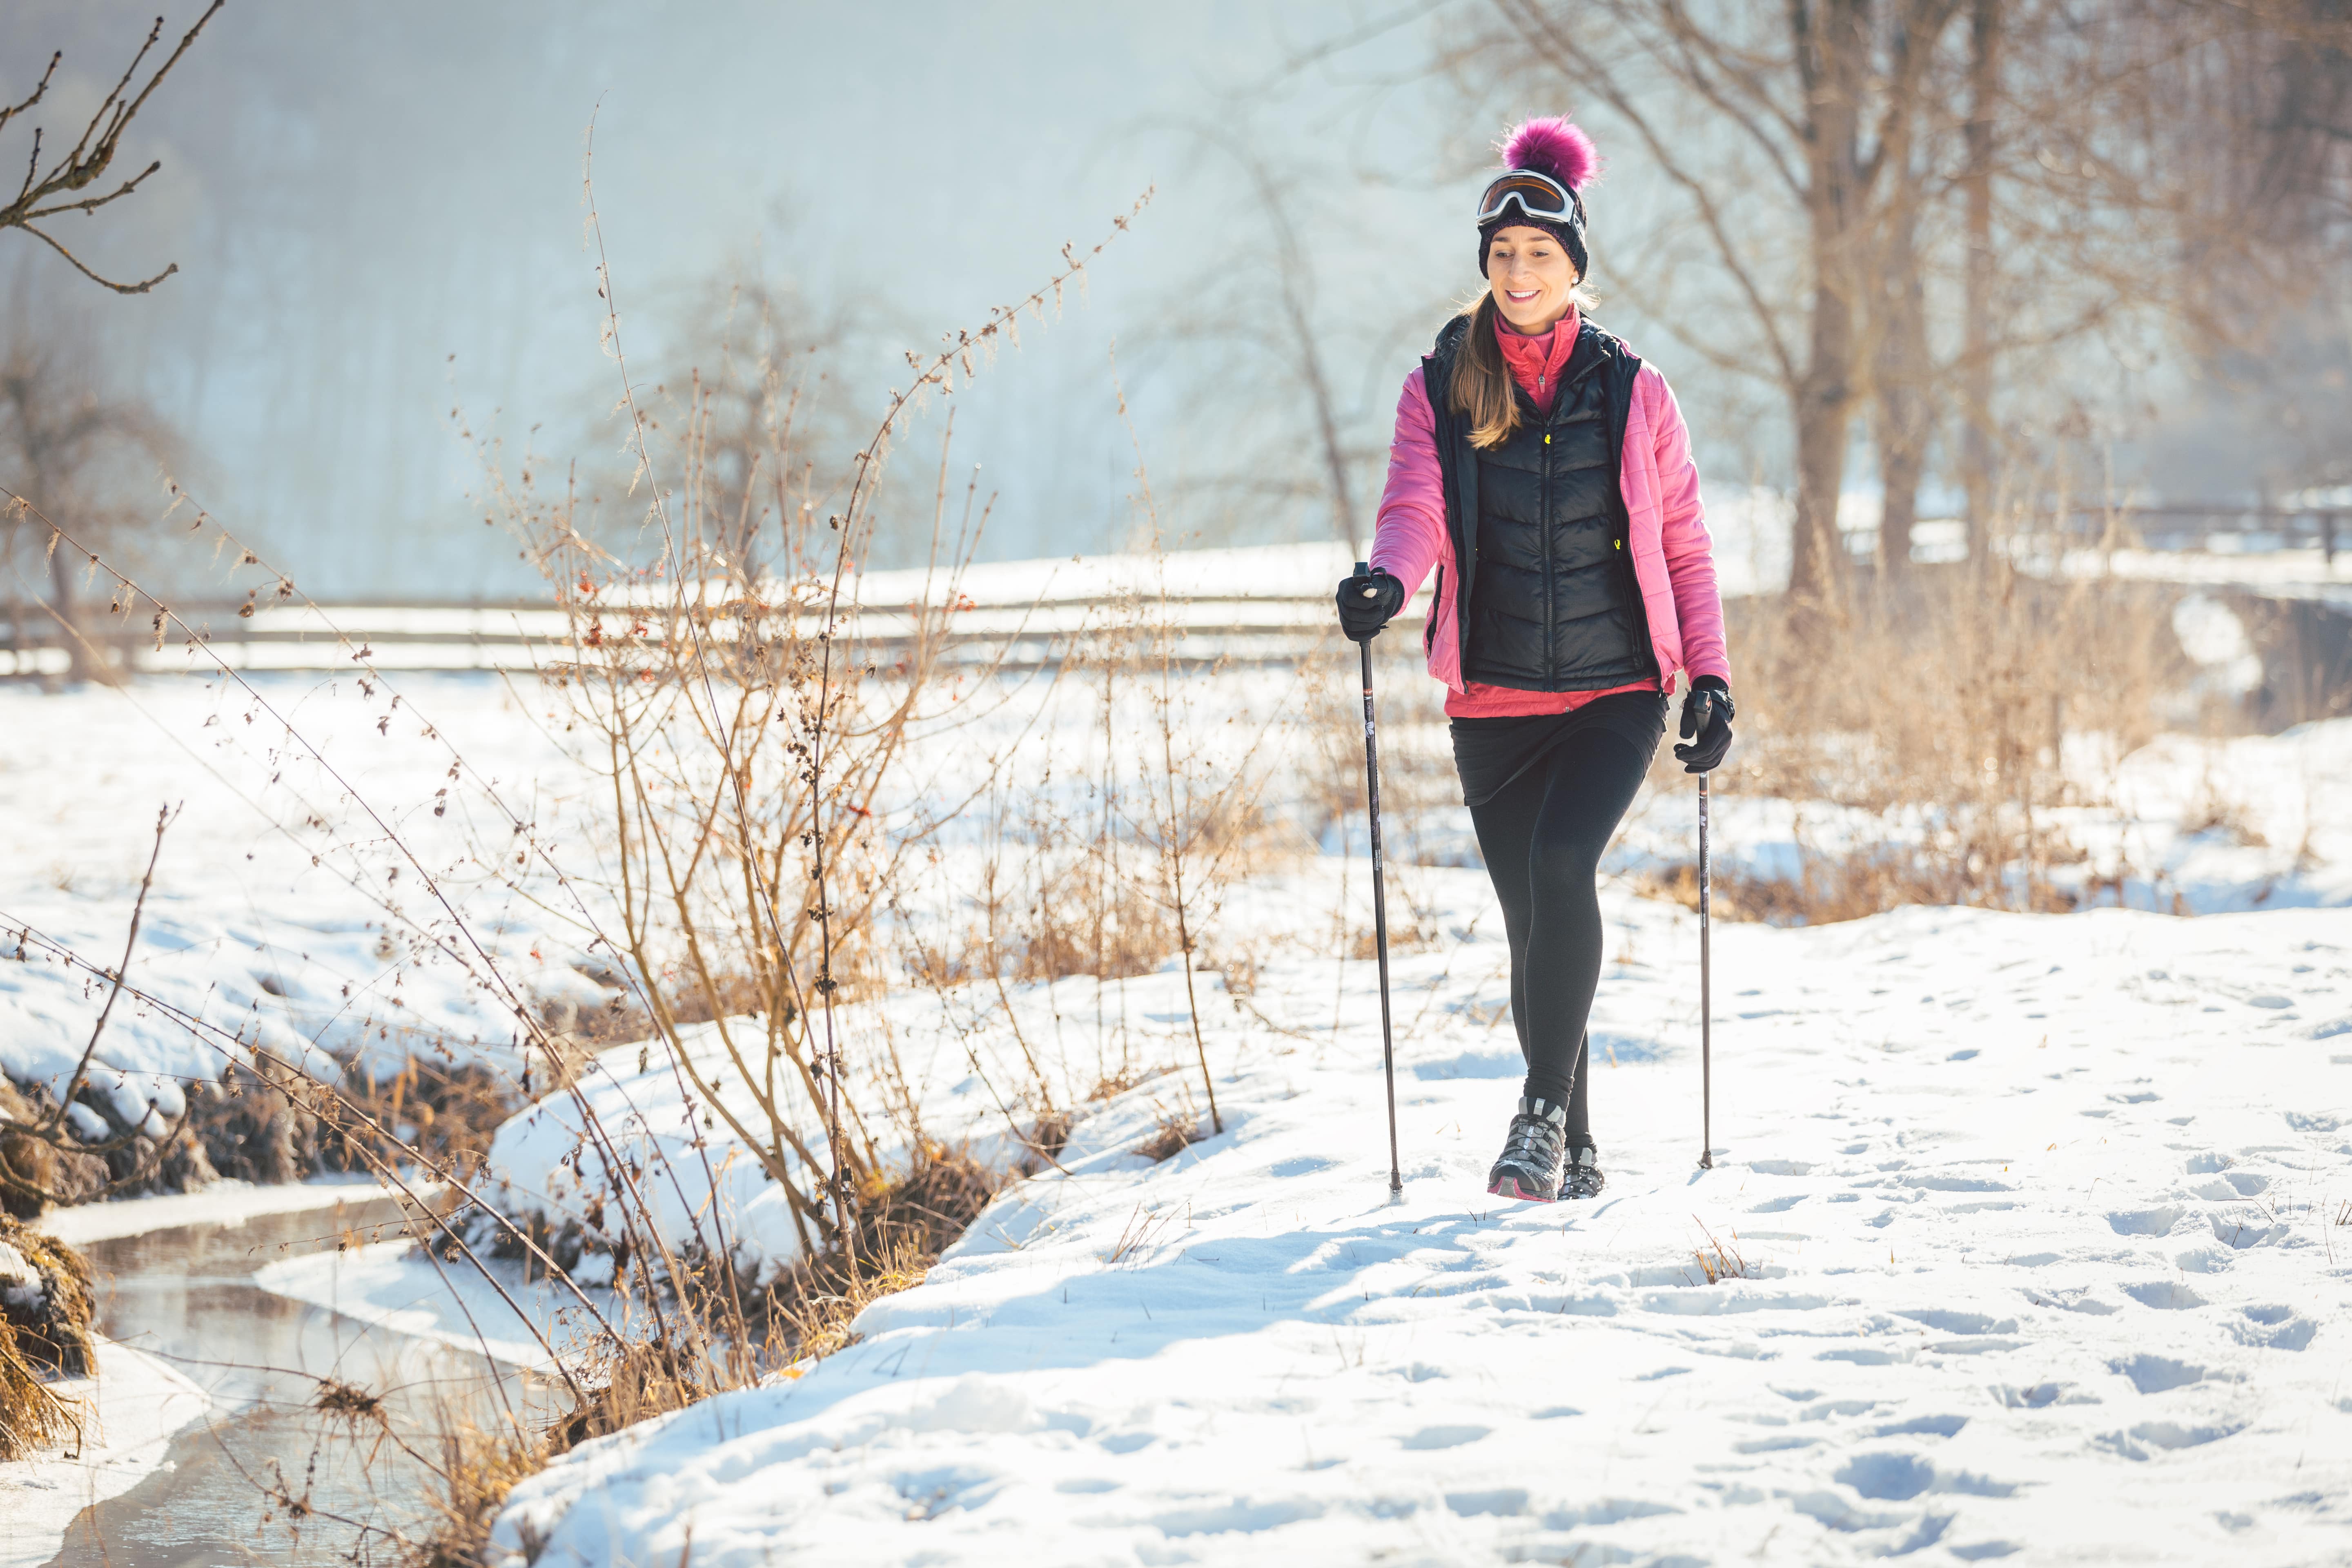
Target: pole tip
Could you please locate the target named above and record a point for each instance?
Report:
(1706, 1160)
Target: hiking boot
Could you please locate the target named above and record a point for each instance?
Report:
(1582, 1178)
(1529, 1166)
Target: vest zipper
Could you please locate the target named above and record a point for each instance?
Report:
(1550, 575)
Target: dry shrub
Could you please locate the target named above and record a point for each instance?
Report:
(447, 1115)
(1047, 1138)
(35, 1170)
(44, 1297)
(903, 1226)
(1120, 1079)
(1176, 1133)
(1093, 920)
(1940, 703)
(50, 1312)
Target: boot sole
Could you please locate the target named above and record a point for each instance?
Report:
(1508, 1187)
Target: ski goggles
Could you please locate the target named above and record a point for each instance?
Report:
(1538, 196)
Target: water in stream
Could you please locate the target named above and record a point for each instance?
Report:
(187, 1295)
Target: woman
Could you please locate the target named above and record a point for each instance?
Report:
(1544, 473)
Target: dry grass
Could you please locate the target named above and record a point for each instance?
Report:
(1718, 1260)
(1940, 707)
(33, 1419)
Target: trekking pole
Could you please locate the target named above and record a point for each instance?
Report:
(1706, 999)
(1380, 896)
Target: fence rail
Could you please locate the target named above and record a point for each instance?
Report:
(1247, 629)
(2194, 525)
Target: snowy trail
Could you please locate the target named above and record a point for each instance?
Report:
(2038, 1220)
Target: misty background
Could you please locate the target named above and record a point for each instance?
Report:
(385, 282)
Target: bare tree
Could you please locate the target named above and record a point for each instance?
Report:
(54, 191)
(1289, 436)
(71, 452)
(765, 368)
(1923, 204)
(1824, 93)
(1978, 449)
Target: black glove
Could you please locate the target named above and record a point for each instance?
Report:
(1362, 614)
(1707, 713)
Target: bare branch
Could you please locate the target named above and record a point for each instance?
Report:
(91, 203)
(40, 90)
(101, 282)
(1690, 42)
(92, 153)
(1569, 59)
(130, 945)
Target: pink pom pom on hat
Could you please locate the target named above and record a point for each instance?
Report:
(1551, 146)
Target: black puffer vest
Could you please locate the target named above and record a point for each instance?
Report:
(1547, 599)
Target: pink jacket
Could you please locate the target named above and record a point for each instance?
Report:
(1673, 558)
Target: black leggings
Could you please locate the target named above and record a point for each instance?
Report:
(1542, 835)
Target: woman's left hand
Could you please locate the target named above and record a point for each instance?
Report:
(1707, 713)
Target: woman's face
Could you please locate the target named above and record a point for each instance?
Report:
(1531, 277)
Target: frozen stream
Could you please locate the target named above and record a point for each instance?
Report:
(187, 1295)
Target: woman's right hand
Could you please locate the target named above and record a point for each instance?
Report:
(1369, 601)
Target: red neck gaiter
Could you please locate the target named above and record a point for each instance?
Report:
(1536, 360)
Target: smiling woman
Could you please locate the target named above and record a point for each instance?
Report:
(1543, 472)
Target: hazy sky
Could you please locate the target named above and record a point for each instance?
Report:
(356, 193)
(377, 214)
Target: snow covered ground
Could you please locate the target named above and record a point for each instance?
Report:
(279, 912)
(2040, 1230)
(2034, 1220)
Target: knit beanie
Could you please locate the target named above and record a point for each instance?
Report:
(1552, 147)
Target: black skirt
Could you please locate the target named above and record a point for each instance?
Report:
(1489, 753)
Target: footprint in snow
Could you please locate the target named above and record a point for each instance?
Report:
(2275, 1327)
(1444, 1436)
(1899, 1477)
(2144, 1222)
(2242, 1234)
(2165, 1295)
(2136, 1442)
(2157, 1374)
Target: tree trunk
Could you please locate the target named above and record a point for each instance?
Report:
(68, 622)
(1833, 50)
(1902, 377)
(1824, 406)
(1978, 450)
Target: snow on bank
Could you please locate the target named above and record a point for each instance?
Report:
(226, 1203)
(300, 938)
(394, 1285)
(132, 1407)
(2036, 1215)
